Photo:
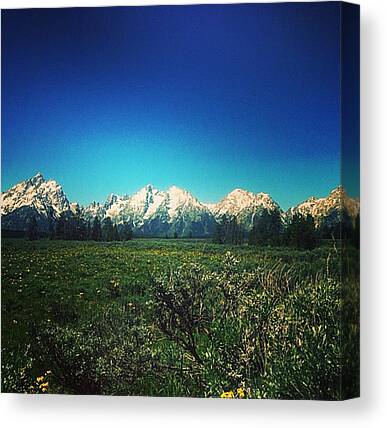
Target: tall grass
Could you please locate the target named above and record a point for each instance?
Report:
(185, 318)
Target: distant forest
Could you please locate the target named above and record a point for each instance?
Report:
(268, 230)
(300, 232)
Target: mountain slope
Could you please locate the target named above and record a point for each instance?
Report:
(173, 212)
(244, 206)
(35, 197)
(154, 212)
(330, 208)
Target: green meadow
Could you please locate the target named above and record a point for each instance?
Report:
(179, 318)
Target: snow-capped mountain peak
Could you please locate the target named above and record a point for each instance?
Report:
(320, 208)
(35, 192)
(153, 211)
(243, 205)
(161, 212)
(180, 200)
(43, 199)
(37, 178)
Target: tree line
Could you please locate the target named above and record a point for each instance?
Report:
(300, 232)
(72, 227)
(268, 229)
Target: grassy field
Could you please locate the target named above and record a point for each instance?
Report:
(179, 318)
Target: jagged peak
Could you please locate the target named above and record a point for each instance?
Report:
(238, 200)
(239, 191)
(148, 188)
(174, 187)
(37, 178)
(112, 198)
(38, 175)
(338, 191)
(263, 195)
(246, 195)
(178, 190)
(310, 200)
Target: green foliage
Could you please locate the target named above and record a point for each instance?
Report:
(266, 228)
(96, 230)
(228, 231)
(269, 330)
(301, 232)
(32, 229)
(108, 354)
(107, 230)
(60, 226)
(126, 233)
(180, 318)
(70, 226)
(115, 235)
(16, 370)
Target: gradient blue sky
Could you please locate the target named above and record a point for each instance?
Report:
(208, 98)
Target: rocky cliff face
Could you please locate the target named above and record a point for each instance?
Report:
(244, 206)
(36, 197)
(153, 212)
(330, 208)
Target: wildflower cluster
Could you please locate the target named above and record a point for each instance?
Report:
(114, 288)
(240, 393)
(41, 384)
(178, 318)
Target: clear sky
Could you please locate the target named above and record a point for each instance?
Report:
(208, 98)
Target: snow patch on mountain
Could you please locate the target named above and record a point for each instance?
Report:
(320, 208)
(161, 212)
(244, 205)
(44, 196)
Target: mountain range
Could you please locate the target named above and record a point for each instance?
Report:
(153, 212)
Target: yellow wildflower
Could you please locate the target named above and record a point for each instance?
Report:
(241, 393)
(227, 394)
(40, 379)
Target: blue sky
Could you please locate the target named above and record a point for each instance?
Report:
(208, 98)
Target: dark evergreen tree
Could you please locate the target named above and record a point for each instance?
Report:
(96, 231)
(60, 227)
(82, 230)
(338, 225)
(88, 231)
(220, 231)
(276, 227)
(69, 227)
(266, 230)
(234, 234)
(228, 231)
(79, 227)
(301, 232)
(51, 230)
(126, 233)
(116, 235)
(107, 229)
(32, 229)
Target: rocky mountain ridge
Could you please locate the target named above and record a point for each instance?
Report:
(153, 212)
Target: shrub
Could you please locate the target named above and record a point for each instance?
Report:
(220, 319)
(16, 371)
(273, 332)
(108, 354)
